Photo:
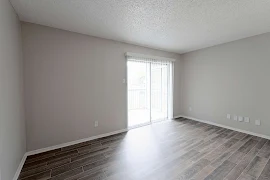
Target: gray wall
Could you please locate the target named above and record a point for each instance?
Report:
(231, 78)
(12, 125)
(72, 80)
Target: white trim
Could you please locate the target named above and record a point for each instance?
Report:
(148, 56)
(171, 91)
(227, 127)
(74, 142)
(16, 176)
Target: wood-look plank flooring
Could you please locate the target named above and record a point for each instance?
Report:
(172, 150)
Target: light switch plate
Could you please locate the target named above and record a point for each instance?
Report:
(246, 119)
(228, 116)
(190, 108)
(240, 118)
(258, 122)
(235, 118)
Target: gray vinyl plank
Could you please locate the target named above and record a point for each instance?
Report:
(222, 171)
(95, 176)
(77, 163)
(228, 150)
(194, 169)
(261, 143)
(240, 136)
(246, 177)
(90, 153)
(40, 156)
(68, 174)
(100, 163)
(43, 168)
(247, 137)
(265, 175)
(43, 175)
(178, 149)
(91, 173)
(265, 151)
(236, 157)
(248, 146)
(256, 166)
(236, 172)
(242, 151)
(170, 164)
(52, 159)
(203, 173)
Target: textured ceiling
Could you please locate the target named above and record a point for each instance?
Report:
(172, 25)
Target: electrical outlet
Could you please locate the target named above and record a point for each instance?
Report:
(258, 122)
(96, 123)
(246, 119)
(240, 118)
(235, 118)
(228, 116)
(190, 108)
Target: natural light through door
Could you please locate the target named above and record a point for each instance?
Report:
(149, 86)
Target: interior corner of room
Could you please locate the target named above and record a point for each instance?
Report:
(62, 86)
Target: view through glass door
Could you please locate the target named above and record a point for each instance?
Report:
(159, 91)
(148, 92)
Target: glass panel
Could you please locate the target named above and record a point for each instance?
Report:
(159, 91)
(138, 93)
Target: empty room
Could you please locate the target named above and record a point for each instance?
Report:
(134, 90)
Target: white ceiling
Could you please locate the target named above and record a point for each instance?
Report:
(172, 25)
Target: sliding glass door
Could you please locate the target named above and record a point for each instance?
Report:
(148, 91)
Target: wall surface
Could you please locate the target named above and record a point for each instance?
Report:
(72, 80)
(232, 78)
(12, 125)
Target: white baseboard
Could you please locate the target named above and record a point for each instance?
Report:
(74, 142)
(228, 127)
(16, 176)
